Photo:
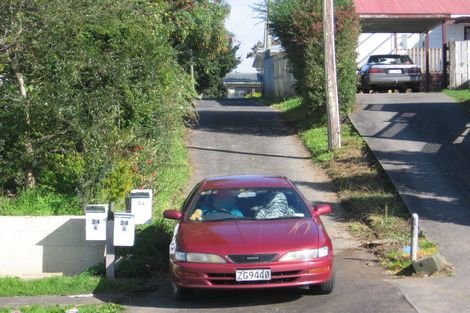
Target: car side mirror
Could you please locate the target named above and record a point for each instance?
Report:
(322, 209)
(172, 214)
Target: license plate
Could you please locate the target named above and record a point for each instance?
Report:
(394, 71)
(253, 275)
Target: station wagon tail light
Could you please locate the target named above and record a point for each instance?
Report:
(304, 255)
(415, 70)
(376, 70)
(198, 257)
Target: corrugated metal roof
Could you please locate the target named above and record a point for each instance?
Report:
(413, 7)
(243, 78)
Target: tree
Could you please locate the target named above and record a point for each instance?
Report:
(16, 19)
(106, 97)
(95, 94)
(298, 25)
(200, 37)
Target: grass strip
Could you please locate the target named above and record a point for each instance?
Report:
(460, 95)
(89, 308)
(84, 283)
(375, 212)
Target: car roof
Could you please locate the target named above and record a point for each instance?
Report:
(388, 55)
(245, 181)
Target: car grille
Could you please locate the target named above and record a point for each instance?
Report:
(276, 278)
(252, 258)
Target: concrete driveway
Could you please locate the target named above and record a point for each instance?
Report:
(241, 137)
(423, 143)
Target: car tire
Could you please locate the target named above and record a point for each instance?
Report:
(180, 293)
(323, 288)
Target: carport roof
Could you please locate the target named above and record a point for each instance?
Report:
(405, 16)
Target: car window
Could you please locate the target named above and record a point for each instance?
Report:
(189, 198)
(390, 59)
(247, 203)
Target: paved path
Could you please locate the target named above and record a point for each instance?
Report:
(239, 137)
(423, 143)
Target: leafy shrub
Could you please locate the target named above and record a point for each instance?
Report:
(40, 201)
(298, 24)
(108, 93)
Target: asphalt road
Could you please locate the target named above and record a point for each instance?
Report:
(423, 143)
(241, 137)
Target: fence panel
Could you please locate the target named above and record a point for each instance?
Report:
(418, 55)
(459, 64)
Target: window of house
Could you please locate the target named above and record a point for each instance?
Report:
(466, 35)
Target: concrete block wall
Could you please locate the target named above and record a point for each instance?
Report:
(43, 246)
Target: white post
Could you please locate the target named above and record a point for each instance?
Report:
(109, 248)
(414, 238)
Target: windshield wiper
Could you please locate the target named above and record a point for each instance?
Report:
(283, 218)
(229, 219)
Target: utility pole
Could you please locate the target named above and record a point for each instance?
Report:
(334, 129)
(268, 37)
(191, 68)
(267, 46)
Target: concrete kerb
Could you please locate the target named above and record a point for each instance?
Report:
(19, 301)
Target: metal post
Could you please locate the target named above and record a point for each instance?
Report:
(414, 238)
(109, 248)
(444, 56)
(428, 74)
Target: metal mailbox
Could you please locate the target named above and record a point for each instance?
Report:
(141, 205)
(124, 229)
(95, 221)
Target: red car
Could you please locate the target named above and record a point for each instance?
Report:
(241, 232)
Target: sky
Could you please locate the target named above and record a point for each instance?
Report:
(247, 29)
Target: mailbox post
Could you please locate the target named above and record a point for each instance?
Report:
(117, 229)
(141, 205)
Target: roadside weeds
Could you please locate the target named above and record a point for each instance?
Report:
(90, 308)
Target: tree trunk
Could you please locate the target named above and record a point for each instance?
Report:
(30, 179)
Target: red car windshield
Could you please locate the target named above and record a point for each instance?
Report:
(251, 203)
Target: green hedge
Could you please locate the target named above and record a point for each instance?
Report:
(108, 97)
(298, 25)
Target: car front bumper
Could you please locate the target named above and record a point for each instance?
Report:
(222, 276)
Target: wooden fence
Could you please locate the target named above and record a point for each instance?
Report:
(418, 55)
(459, 64)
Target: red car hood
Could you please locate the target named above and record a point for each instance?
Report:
(246, 237)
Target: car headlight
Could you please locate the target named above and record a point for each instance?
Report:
(304, 255)
(198, 257)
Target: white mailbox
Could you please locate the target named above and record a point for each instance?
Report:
(95, 220)
(141, 205)
(124, 229)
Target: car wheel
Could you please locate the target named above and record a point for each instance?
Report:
(180, 293)
(416, 89)
(323, 288)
